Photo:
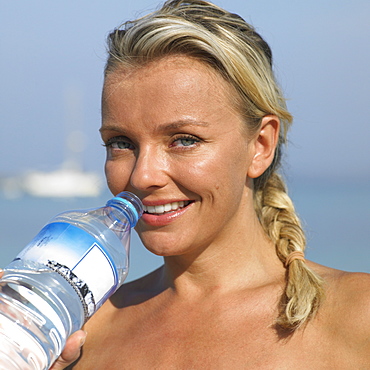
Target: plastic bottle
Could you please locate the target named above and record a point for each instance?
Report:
(61, 278)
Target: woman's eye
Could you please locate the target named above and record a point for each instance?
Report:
(185, 141)
(119, 143)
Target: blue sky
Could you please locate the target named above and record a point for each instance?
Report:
(52, 49)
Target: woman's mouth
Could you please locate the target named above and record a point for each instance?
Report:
(165, 214)
(165, 208)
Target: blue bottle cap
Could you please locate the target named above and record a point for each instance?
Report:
(131, 203)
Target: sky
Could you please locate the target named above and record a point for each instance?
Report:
(53, 55)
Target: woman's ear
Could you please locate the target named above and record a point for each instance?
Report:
(264, 145)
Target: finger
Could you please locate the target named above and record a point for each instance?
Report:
(71, 351)
(1, 273)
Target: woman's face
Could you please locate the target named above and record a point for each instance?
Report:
(174, 138)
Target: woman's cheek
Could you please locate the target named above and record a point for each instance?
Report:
(115, 182)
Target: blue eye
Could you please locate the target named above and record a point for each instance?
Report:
(185, 141)
(119, 143)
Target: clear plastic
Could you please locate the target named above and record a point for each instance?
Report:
(61, 278)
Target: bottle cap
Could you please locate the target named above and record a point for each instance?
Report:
(131, 202)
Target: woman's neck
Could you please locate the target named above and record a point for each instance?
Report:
(245, 260)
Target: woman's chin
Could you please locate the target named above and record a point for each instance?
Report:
(163, 252)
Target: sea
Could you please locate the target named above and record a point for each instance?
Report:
(335, 215)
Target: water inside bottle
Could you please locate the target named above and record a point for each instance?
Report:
(19, 349)
(33, 323)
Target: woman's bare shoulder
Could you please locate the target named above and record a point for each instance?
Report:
(347, 303)
(348, 289)
(343, 284)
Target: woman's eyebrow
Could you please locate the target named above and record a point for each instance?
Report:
(110, 127)
(165, 127)
(182, 123)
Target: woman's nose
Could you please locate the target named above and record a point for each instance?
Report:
(150, 170)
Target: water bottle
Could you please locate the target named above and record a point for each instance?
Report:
(61, 278)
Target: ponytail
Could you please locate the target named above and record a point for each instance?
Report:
(304, 288)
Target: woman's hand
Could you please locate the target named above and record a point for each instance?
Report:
(71, 351)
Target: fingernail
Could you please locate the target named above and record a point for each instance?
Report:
(82, 341)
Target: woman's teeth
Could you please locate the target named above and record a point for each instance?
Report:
(164, 208)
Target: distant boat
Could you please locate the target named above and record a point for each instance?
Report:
(62, 183)
(69, 180)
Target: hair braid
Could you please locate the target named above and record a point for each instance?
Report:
(304, 289)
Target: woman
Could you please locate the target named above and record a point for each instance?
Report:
(194, 123)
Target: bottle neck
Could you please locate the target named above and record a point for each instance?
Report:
(125, 207)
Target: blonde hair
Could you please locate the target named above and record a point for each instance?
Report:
(223, 40)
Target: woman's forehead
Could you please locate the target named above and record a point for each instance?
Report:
(172, 77)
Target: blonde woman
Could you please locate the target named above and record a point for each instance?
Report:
(194, 124)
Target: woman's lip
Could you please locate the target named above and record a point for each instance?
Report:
(164, 219)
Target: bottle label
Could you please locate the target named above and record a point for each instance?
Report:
(78, 257)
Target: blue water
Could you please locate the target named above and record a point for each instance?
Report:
(336, 216)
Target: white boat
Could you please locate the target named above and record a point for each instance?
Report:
(69, 180)
(62, 183)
